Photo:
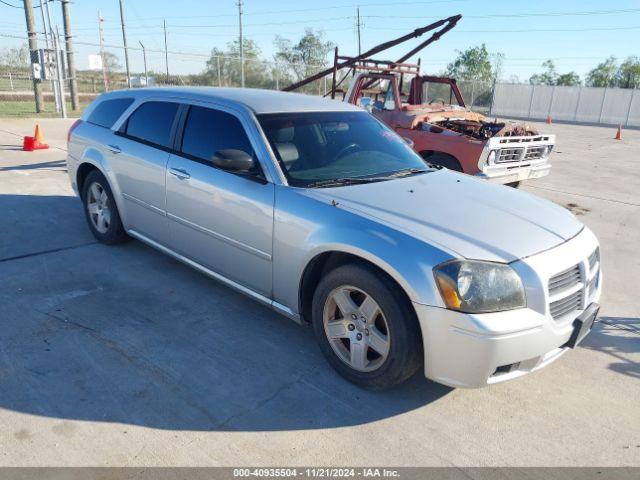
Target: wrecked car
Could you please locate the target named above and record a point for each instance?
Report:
(433, 116)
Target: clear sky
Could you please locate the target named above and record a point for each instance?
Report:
(575, 34)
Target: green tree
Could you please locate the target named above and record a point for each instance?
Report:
(548, 77)
(112, 62)
(15, 57)
(304, 58)
(256, 72)
(570, 79)
(472, 64)
(628, 74)
(604, 75)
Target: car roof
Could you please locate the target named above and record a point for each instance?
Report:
(260, 101)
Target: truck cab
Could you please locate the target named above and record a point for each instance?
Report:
(431, 112)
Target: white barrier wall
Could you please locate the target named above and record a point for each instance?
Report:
(616, 106)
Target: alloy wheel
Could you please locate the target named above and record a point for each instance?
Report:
(356, 328)
(98, 207)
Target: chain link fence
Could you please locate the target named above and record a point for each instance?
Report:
(148, 67)
(157, 67)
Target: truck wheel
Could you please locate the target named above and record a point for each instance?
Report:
(443, 160)
(365, 327)
(101, 211)
(513, 184)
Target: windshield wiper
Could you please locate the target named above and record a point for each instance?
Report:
(407, 172)
(360, 180)
(345, 181)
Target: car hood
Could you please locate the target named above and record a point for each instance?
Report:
(465, 216)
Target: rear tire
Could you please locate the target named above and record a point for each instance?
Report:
(101, 211)
(443, 160)
(356, 309)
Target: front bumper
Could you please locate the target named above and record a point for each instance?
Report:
(505, 174)
(464, 350)
(475, 350)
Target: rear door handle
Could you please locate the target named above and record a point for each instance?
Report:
(180, 173)
(114, 148)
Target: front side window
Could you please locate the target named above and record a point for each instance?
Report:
(152, 123)
(208, 131)
(323, 148)
(107, 112)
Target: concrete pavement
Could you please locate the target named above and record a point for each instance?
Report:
(123, 356)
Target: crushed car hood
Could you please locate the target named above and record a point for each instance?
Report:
(467, 217)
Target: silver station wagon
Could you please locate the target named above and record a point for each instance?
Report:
(315, 208)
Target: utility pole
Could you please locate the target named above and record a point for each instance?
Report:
(358, 25)
(241, 45)
(56, 90)
(144, 58)
(124, 42)
(33, 52)
(71, 64)
(104, 64)
(166, 51)
(60, 74)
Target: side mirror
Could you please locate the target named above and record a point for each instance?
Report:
(233, 160)
(367, 104)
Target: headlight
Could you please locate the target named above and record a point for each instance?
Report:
(479, 287)
(492, 157)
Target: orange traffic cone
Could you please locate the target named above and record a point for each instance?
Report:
(619, 133)
(34, 143)
(549, 119)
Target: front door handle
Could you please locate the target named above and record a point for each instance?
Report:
(114, 148)
(180, 173)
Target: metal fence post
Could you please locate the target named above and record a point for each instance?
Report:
(575, 112)
(633, 93)
(11, 81)
(218, 67)
(533, 91)
(473, 88)
(604, 97)
(553, 93)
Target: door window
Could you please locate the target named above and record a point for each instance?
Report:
(108, 111)
(152, 123)
(208, 131)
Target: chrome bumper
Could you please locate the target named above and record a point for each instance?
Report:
(504, 174)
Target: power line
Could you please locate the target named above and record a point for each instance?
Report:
(524, 15)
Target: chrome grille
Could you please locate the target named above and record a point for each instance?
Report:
(564, 280)
(562, 307)
(509, 154)
(534, 153)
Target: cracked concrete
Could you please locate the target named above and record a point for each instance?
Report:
(122, 356)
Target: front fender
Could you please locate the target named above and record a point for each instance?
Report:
(305, 227)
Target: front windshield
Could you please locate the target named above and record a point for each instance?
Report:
(318, 148)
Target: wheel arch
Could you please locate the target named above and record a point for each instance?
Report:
(324, 262)
(425, 154)
(93, 160)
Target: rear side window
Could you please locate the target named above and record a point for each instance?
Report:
(108, 111)
(208, 131)
(152, 122)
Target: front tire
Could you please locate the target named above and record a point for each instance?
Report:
(366, 328)
(101, 210)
